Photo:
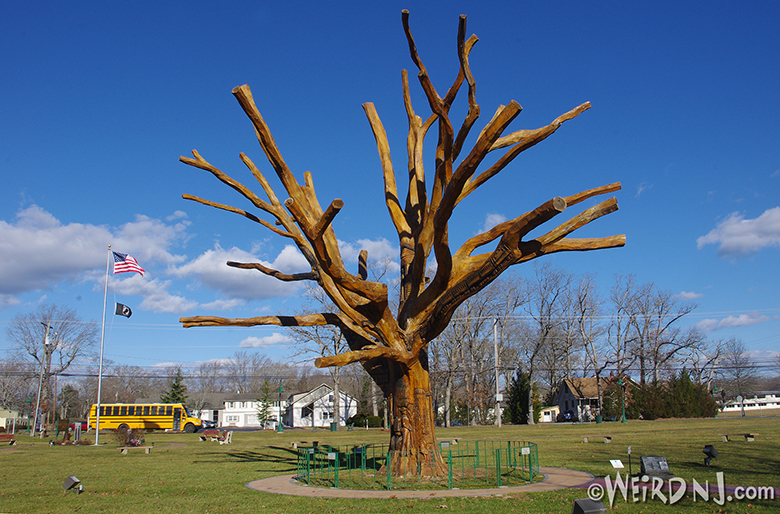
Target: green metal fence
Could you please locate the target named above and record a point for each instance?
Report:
(467, 465)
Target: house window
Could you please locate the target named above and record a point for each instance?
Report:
(229, 405)
(330, 398)
(231, 419)
(327, 415)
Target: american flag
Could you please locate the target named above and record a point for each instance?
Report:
(124, 263)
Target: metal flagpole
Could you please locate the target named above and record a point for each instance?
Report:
(100, 365)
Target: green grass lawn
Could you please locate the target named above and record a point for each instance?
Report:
(182, 474)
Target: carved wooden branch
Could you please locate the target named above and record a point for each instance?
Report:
(236, 210)
(421, 222)
(272, 272)
(364, 354)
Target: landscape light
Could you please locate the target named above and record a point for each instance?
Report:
(71, 483)
(711, 453)
(588, 506)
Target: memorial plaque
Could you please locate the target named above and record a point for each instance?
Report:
(655, 466)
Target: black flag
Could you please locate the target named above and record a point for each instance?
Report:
(123, 310)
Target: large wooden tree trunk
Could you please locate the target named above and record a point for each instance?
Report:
(412, 441)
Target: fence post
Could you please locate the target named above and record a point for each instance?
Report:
(449, 467)
(498, 467)
(389, 471)
(336, 468)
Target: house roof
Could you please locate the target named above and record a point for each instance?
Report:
(314, 395)
(586, 387)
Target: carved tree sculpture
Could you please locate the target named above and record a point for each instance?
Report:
(392, 346)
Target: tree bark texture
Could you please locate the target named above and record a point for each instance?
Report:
(391, 343)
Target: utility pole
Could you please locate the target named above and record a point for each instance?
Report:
(498, 390)
(40, 378)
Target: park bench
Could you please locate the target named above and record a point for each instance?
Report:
(211, 434)
(295, 444)
(8, 438)
(226, 438)
(350, 427)
(123, 449)
(749, 436)
(607, 438)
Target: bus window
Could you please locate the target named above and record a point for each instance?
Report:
(146, 410)
(131, 411)
(123, 410)
(153, 411)
(102, 411)
(168, 410)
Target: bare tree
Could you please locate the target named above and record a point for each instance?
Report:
(657, 340)
(392, 343)
(587, 308)
(69, 338)
(546, 307)
(245, 372)
(620, 329)
(16, 384)
(703, 360)
(737, 367)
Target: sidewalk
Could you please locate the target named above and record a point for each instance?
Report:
(554, 478)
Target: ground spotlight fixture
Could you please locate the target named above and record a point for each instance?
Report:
(588, 506)
(711, 453)
(72, 483)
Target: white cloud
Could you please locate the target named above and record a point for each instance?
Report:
(641, 188)
(737, 236)
(154, 292)
(213, 272)
(38, 251)
(743, 320)
(264, 342)
(686, 295)
(380, 250)
(491, 220)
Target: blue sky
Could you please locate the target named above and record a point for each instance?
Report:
(100, 100)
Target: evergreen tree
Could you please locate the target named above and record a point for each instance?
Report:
(264, 404)
(516, 410)
(177, 390)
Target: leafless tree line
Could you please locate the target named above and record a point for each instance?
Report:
(552, 325)
(555, 325)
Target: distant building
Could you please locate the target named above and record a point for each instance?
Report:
(757, 403)
(315, 408)
(10, 420)
(580, 396)
(242, 410)
(549, 414)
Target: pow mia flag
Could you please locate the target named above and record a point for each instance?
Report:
(123, 310)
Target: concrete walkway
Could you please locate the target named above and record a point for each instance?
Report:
(554, 478)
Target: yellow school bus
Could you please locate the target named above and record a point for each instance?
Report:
(146, 416)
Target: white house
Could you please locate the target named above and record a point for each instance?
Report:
(315, 408)
(549, 414)
(11, 421)
(757, 403)
(242, 410)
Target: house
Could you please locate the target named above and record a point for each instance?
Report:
(757, 403)
(243, 410)
(11, 421)
(549, 414)
(315, 408)
(580, 396)
(208, 406)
